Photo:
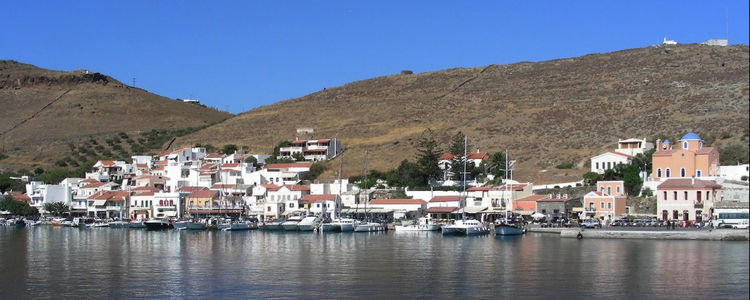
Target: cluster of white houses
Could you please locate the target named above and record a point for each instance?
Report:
(686, 179)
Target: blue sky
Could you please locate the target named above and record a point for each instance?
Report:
(237, 55)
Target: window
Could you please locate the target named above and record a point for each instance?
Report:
(658, 172)
(191, 203)
(291, 205)
(698, 173)
(675, 195)
(591, 205)
(684, 145)
(268, 208)
(609, 205)
(205, 204)
(317, 205)
(602, 205)
(686, 196)
(557, 211)
(668, 173)
(597, 165)
(682, 172)
(609, 191)
(665, 195)
(618, 189)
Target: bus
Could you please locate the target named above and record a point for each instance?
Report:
(729, 217)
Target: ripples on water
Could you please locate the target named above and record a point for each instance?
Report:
(55, 262)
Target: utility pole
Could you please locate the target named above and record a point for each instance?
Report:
(133, 81)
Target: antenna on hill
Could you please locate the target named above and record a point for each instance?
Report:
(133, 81)
(727, 20)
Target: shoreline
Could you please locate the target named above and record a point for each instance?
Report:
(713, 235)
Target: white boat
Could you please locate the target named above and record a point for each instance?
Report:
(465, 227)
(241, 225)
(119, 224)
(423, 224)
(308, 223)
(369, 227)
(195, 226)
(98, 225)
(291, 223)
(82, 222)
(274, 225)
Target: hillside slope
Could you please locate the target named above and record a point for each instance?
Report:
(544, 113)
(44, 109)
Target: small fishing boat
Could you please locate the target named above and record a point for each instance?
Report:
(369, 227)
(308, 223)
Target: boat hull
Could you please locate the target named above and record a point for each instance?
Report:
(476, 230)
(428, 227)
(157, 225)
(369, 227)
(508, 230)
(289, 227)
(195, 226)
(271, 227)
(119, 224)
(328, 227)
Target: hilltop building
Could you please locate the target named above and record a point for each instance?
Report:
(311, 150)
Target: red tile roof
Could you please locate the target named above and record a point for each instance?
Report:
(203, 194)
(478, 155)
(554, 200)
(108, 163)
(444, 198)
(215, 155)
(704, 150)
(297, 187)
(144, 189)
(230, 165)
(398, 201)
(687, 183)
(298, 142)
(112, 196)
(18, 196)
(306, 199)
(88, 180)
(94, 185)
(441, 210)
(620, 154)
(479, 188)
(446, 156)
(513, 187)
(270, 187)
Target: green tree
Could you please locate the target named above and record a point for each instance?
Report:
(631, 179)
(17, 207)
(734, 154)
(316, 169)
(229, 149)
(496, 166)
(427, 156)
(644, 160)
(590, 178)
(54, 176)
(298, 156)
(457, 149)
(251, 160)
(57, 209)
(407, 174)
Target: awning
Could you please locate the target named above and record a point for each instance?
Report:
(577, 209)
(441, 210)
(472, 209)
(523, 212)
(368, 211)
(99, 202)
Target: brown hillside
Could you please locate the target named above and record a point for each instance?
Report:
(544, 113)
(44, 109)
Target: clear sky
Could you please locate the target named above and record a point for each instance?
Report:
(237, 55)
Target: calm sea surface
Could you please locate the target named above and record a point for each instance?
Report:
(56, 262)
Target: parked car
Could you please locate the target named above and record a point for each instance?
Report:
(591, 223)
(618, 223)
(741, 225)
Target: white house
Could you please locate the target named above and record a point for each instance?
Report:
(108, 204)
(633, 146)
(401, 207)
(608, 160)
(311, 150)
(109, 170)
(320, 204)
(737, 173)
(40, 193)
(441, 207)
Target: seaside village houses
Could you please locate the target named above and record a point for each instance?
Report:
(686, 178)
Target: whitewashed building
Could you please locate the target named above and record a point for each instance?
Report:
(609, 160)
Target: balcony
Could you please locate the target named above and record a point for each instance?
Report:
(698, 205)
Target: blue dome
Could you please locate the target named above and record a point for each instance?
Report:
(666, 141)
(690, 136)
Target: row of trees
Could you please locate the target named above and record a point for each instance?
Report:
(17, 207)
(425, 168)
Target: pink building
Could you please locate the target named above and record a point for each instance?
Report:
(607, 202)
(687, 199)
(689, 158)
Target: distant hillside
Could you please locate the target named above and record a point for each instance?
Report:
(544, 113)
(43, 110)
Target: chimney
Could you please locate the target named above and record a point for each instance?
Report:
(658, 144)
(692, 180)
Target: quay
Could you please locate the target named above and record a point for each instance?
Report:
(712, 235)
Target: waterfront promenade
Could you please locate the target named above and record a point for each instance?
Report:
(649, 233)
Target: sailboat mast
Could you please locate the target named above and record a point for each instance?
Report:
(364, 176)
(463, 191)
(341, 168)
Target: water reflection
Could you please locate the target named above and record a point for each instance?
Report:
(56, 262)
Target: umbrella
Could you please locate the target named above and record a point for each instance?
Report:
(537, 215)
